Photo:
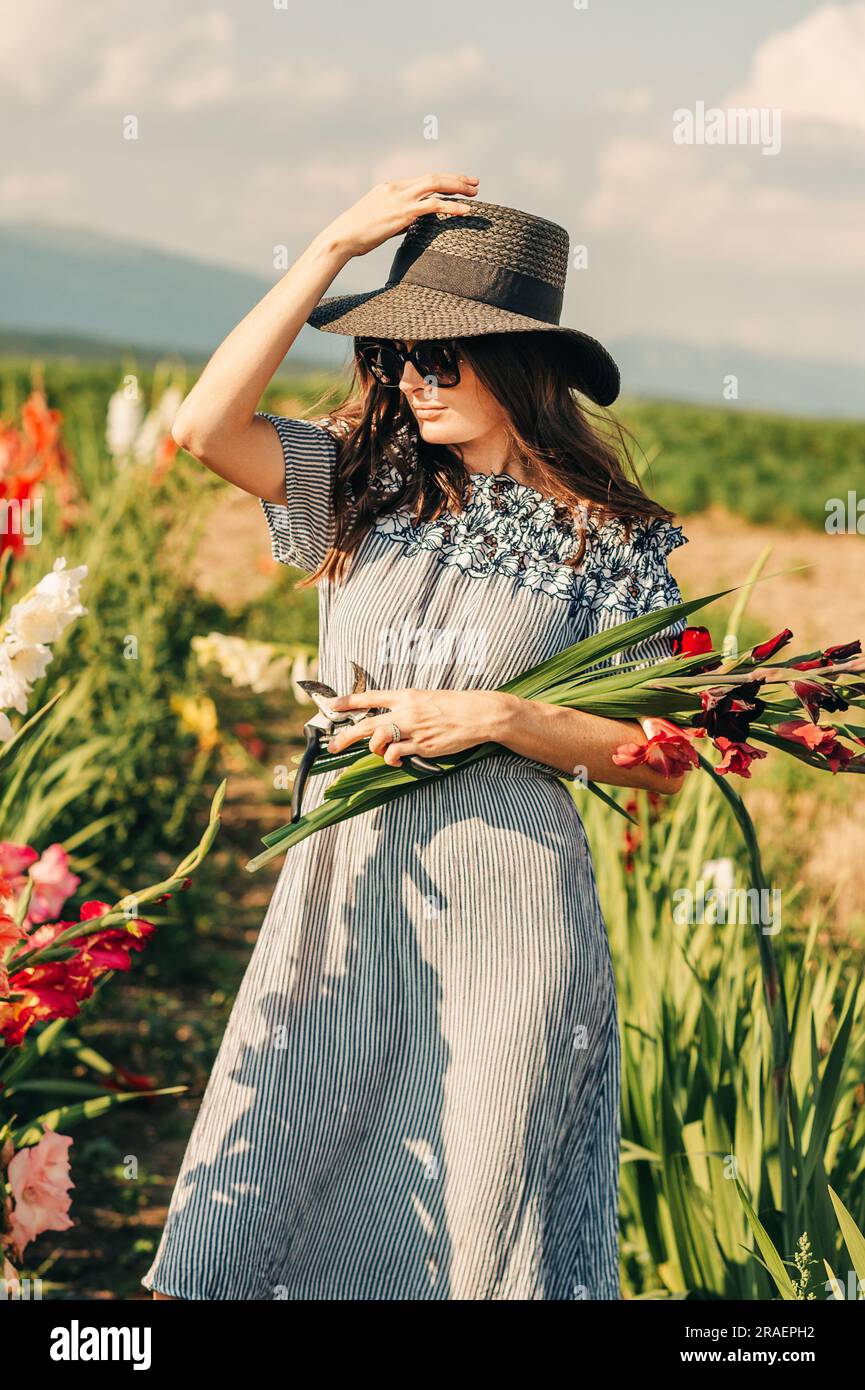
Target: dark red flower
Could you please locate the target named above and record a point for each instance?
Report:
(729, 710)
(842, 651)
(766, 650)
(124, 1080)
(817, 695)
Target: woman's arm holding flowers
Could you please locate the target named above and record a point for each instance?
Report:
(584, 744)
(437, 722)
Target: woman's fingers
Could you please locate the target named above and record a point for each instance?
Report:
(381, 739)
(353, 733)
(443, 183)
(395, 752)
(366, 699)
(446, 205)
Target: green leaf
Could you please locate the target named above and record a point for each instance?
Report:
(773, 1261)
(66, 1116)
(853, 1237)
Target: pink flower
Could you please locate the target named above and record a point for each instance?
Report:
(52, 884)
(667, 749)
(737, 756)
(15, 860)
(40, 1182)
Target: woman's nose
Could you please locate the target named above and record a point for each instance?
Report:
(411, 378)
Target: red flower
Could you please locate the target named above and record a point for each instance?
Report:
(55, 989)
(818, 738)
(840, 652)
(667, 749)
(124, 1080)
(692, 641)
(737, 758)
(44, 992)
(768, 649)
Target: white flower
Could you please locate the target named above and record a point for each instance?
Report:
(720, 873)
(45, 613)
(157, 425)
(125, 413)
(251, 664)
(29, 663)
(6, 730)
(14, 688)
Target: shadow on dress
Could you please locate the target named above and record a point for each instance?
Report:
(317, 1166)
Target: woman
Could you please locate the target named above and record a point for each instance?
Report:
(417, 1093)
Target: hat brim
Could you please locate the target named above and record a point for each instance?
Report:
(414, 311)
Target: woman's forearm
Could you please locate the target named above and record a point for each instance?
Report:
(224, 399)
(574, 741)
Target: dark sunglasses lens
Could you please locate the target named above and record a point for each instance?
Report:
(439, 360)
(384, 363)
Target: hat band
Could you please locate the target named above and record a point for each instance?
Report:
(480, 280)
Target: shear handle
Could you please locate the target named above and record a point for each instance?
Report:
(308, 757)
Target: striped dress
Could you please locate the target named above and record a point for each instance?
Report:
(417, 1095)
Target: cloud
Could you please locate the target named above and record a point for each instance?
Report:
(813, 71)
(545, 175)
(305, 81)
(706, 204)
(435, 75)
(39, 44)
(34, 194)
(109, 59)
(181, 66)
(630, 101)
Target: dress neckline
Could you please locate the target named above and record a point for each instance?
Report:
(487, 479)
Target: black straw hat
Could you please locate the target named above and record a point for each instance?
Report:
(493, 270)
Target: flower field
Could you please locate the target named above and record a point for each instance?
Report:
(149, 713)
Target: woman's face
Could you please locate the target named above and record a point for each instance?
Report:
(451, 414)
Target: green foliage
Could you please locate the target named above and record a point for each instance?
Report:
(700, 1093)
(775, 469)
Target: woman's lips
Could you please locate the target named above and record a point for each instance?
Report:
(423, 410)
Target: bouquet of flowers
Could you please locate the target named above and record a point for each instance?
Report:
(700, 698)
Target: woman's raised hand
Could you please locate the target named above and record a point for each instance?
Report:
(217, 421)
(389, 208)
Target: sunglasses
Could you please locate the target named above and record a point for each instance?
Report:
(386, 360)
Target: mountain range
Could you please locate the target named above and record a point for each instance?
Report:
(76, 292)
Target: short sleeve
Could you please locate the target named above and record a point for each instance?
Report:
(301, 528)
(627, 575)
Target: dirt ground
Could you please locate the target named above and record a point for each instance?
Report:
(824, 602)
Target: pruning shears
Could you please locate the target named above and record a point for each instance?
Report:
(323, 725)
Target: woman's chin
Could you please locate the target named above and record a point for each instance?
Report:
(435, 429)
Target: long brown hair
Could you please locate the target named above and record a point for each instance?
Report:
(578, 456)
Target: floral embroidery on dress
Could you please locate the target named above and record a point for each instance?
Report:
(629, 574)
(508, 527)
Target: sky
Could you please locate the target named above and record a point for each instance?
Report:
(257, 121)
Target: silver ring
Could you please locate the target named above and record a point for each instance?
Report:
(395, 735)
